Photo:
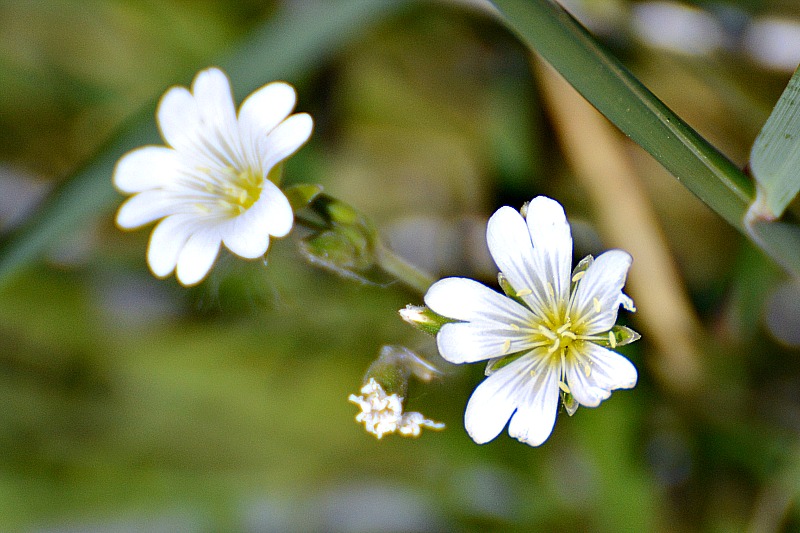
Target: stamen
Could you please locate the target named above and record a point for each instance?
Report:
(563, 386)
(587, 370)
(533, 373)
(556, 345)
(547, 333)
(612, 339)
(579, 276)
(203, 208)
(569, 335)
(550, 289)
(524, 292)
(596, 303)
(514, 327)
(506, 346)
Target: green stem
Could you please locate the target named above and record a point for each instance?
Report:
(404, 271)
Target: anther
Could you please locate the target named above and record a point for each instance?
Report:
(563, 386)
(612, 339)
(596, 303)
(587, 370)
(506, 346)
(524, 292)
(514, 327)
(579, 276)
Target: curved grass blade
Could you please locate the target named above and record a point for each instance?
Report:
(775, 156)
(284, 47)
(552, 32)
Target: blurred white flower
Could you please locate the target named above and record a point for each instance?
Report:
(382, 413)
(545, 342)
(216, 180)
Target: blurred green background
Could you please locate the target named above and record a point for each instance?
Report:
(133, 404)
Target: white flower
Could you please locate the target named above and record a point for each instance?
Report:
(383, 413)
(212, 184)
(550, 346)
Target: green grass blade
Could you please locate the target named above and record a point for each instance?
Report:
(284, 48)
(549, 30)
(775, 156)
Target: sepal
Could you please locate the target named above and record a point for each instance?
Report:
(424, 319)
(301, 195)
(618, 336)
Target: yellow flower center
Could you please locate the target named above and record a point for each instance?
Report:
(234, 190)
(242, 191)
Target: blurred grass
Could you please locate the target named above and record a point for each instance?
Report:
(133, 403)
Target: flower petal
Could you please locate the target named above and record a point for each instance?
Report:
(261, 112)
(266, 108)
(198, 255)
(495, 400)
(465, 299)
(285, 139)
(511, 248)
(552, 242)
(274, 212)
(146, 168)
(584, 387)
(536, 404)
(212, 92)
(609, 370)
(248, 234)
(468, 342)
(167, 241)
(148, 206)
(179, 118)
(599, 293)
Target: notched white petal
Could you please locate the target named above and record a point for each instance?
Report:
(286, 138)
(198, 256)
(466, 299)
(146, 168)
(166, 243)
(212, 92)
(512, 250)
(552, 242)
(146, 207)
(536, 411)
(610, 370)
(266, 108)
(599, 293)
(488, 411)
(178, 118)
(468, 342)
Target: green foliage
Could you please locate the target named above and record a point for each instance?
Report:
(775, 157)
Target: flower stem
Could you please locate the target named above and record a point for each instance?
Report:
(401, 269)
